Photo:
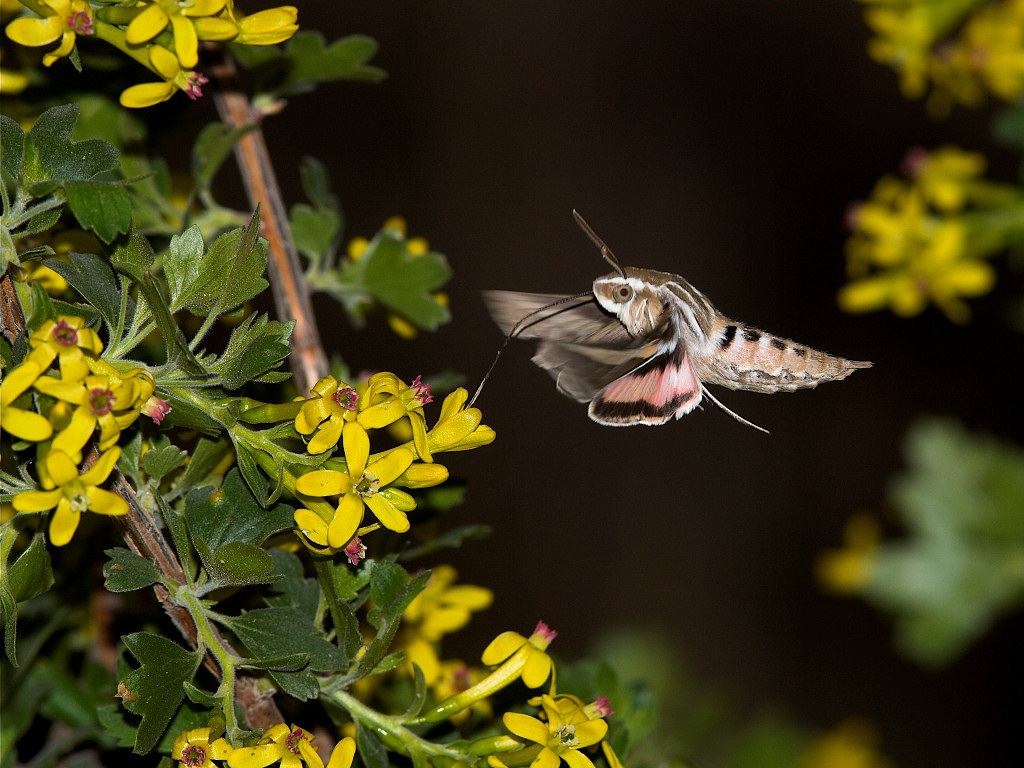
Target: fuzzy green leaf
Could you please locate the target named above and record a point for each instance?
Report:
(161, 462)
(12, 148)
(293, 590)
(314, 230)
(127, 571)
(392, 590)
(154, 690)
(92, 277)
(229, 527)
(277, 632)
(256, 346)
(59, 157)
(102, 206)
(28, 576)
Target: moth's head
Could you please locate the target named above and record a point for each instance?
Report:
(631, 299)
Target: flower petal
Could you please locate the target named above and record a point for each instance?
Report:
(526, 727)
(64, 523)
(103, 502)
(392, 464)
(17, 381)
(343, 753)
(36, 501)
(537, 669)
(346, 521)
(591, 732)
(77, 433)
(27, 425)
(501, 647)
(186, 42)
(577, 759)
(101, 470)
(388, 514)
(322, 482)
(146, 25)
(35, 32)
(357, 449)
(59, 467)
(146, 94)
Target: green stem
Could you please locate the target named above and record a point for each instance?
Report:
(392, 729)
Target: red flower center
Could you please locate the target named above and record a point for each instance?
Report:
(193, 755)
(347, 398)
(64, 334)
(101, 402)
(292, 742)
(81, 22)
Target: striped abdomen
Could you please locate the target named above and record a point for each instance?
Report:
(740, 357)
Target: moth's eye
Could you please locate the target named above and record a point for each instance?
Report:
(623, 294)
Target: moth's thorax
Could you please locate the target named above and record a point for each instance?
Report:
(656, 299)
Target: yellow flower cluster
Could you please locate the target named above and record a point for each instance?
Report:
(966, 48)
(291, 746)
(923, 239)
(88, 396)
(162, 35)
(339, 412)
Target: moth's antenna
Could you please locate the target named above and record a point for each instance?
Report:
(519, 326)
(605, 250)
(736, 416)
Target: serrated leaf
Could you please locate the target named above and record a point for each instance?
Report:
(40, 223)
(28, 576)
(127, 571)
(205, 457)
(91, 275)
(154, 690)
(392, 590)
(186, 270)
(403, 282)
(229, 527)
(250, 470)
(62, 158)
(212, 147)
(247, 265)
(256, 346)
(102, 206)
(289, 663)
(276, 632)
(311, 59)
(293, 590)
(159, 463)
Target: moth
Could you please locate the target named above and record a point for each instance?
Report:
(642, 346)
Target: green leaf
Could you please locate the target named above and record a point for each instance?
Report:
(154, 690)
(102, 206)
(403, 282)
(159, 463)
(40, 223)
(188, 272)
(311, 59)
(127, 571)
(28, 576)
(293, 590)
(314, 231)
(61, 158)
(256, 346)
(392, 590)
(370, 749)
(247, 263)
(316, 184)
(205, 457)
(277, 632)
(12, 149)
(189, 416)
(91, 275)
(229, 527)
(211, 149)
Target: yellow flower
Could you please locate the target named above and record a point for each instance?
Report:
(457, 429)
(53, 283)
(21, 422)
(325, 415)
(155, 17)
(847, 570)
(363, 485)
(72, 493)
(66, 339)
(559, 738)
(63, 20)
(341, 757)
(904, 40)
(111, 402)
(279, 743)
(529, 652)
(851, 744)
(941, 273)
(269, 27)
(945, 176)
(194, 750)
(440, 609)
(147, 94)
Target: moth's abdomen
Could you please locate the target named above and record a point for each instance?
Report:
(741, 357)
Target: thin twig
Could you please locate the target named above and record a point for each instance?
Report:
(291, 293)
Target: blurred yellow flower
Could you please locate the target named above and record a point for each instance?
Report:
(846, 571)
(851, 744)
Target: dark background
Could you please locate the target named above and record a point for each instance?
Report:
(724, 142)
